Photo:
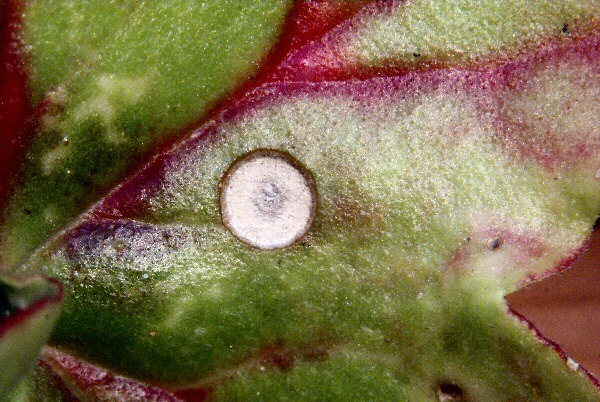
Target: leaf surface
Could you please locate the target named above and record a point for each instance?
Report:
(113, 81)
(443, 183)
(28, 310)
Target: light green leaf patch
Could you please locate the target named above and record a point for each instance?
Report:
(462, 31)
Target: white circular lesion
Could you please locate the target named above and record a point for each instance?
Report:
(267, 199)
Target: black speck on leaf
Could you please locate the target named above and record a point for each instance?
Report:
(495, 243)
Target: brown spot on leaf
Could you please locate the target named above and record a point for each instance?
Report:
(277, 356)
(318, 353)
(449, 392)
(495, 243)
(350, 210)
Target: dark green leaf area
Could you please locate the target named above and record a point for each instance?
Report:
(478, 355)
(408, 337)
(6, 308)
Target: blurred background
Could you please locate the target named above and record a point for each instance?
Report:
(565, 307)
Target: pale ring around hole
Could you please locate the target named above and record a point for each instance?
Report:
(267, 199)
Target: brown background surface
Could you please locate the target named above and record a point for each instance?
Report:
(566, 307)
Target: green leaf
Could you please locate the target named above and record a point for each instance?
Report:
(28, 310)
(439, 185)
(117, 79)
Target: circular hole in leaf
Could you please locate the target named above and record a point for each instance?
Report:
(268, 200)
